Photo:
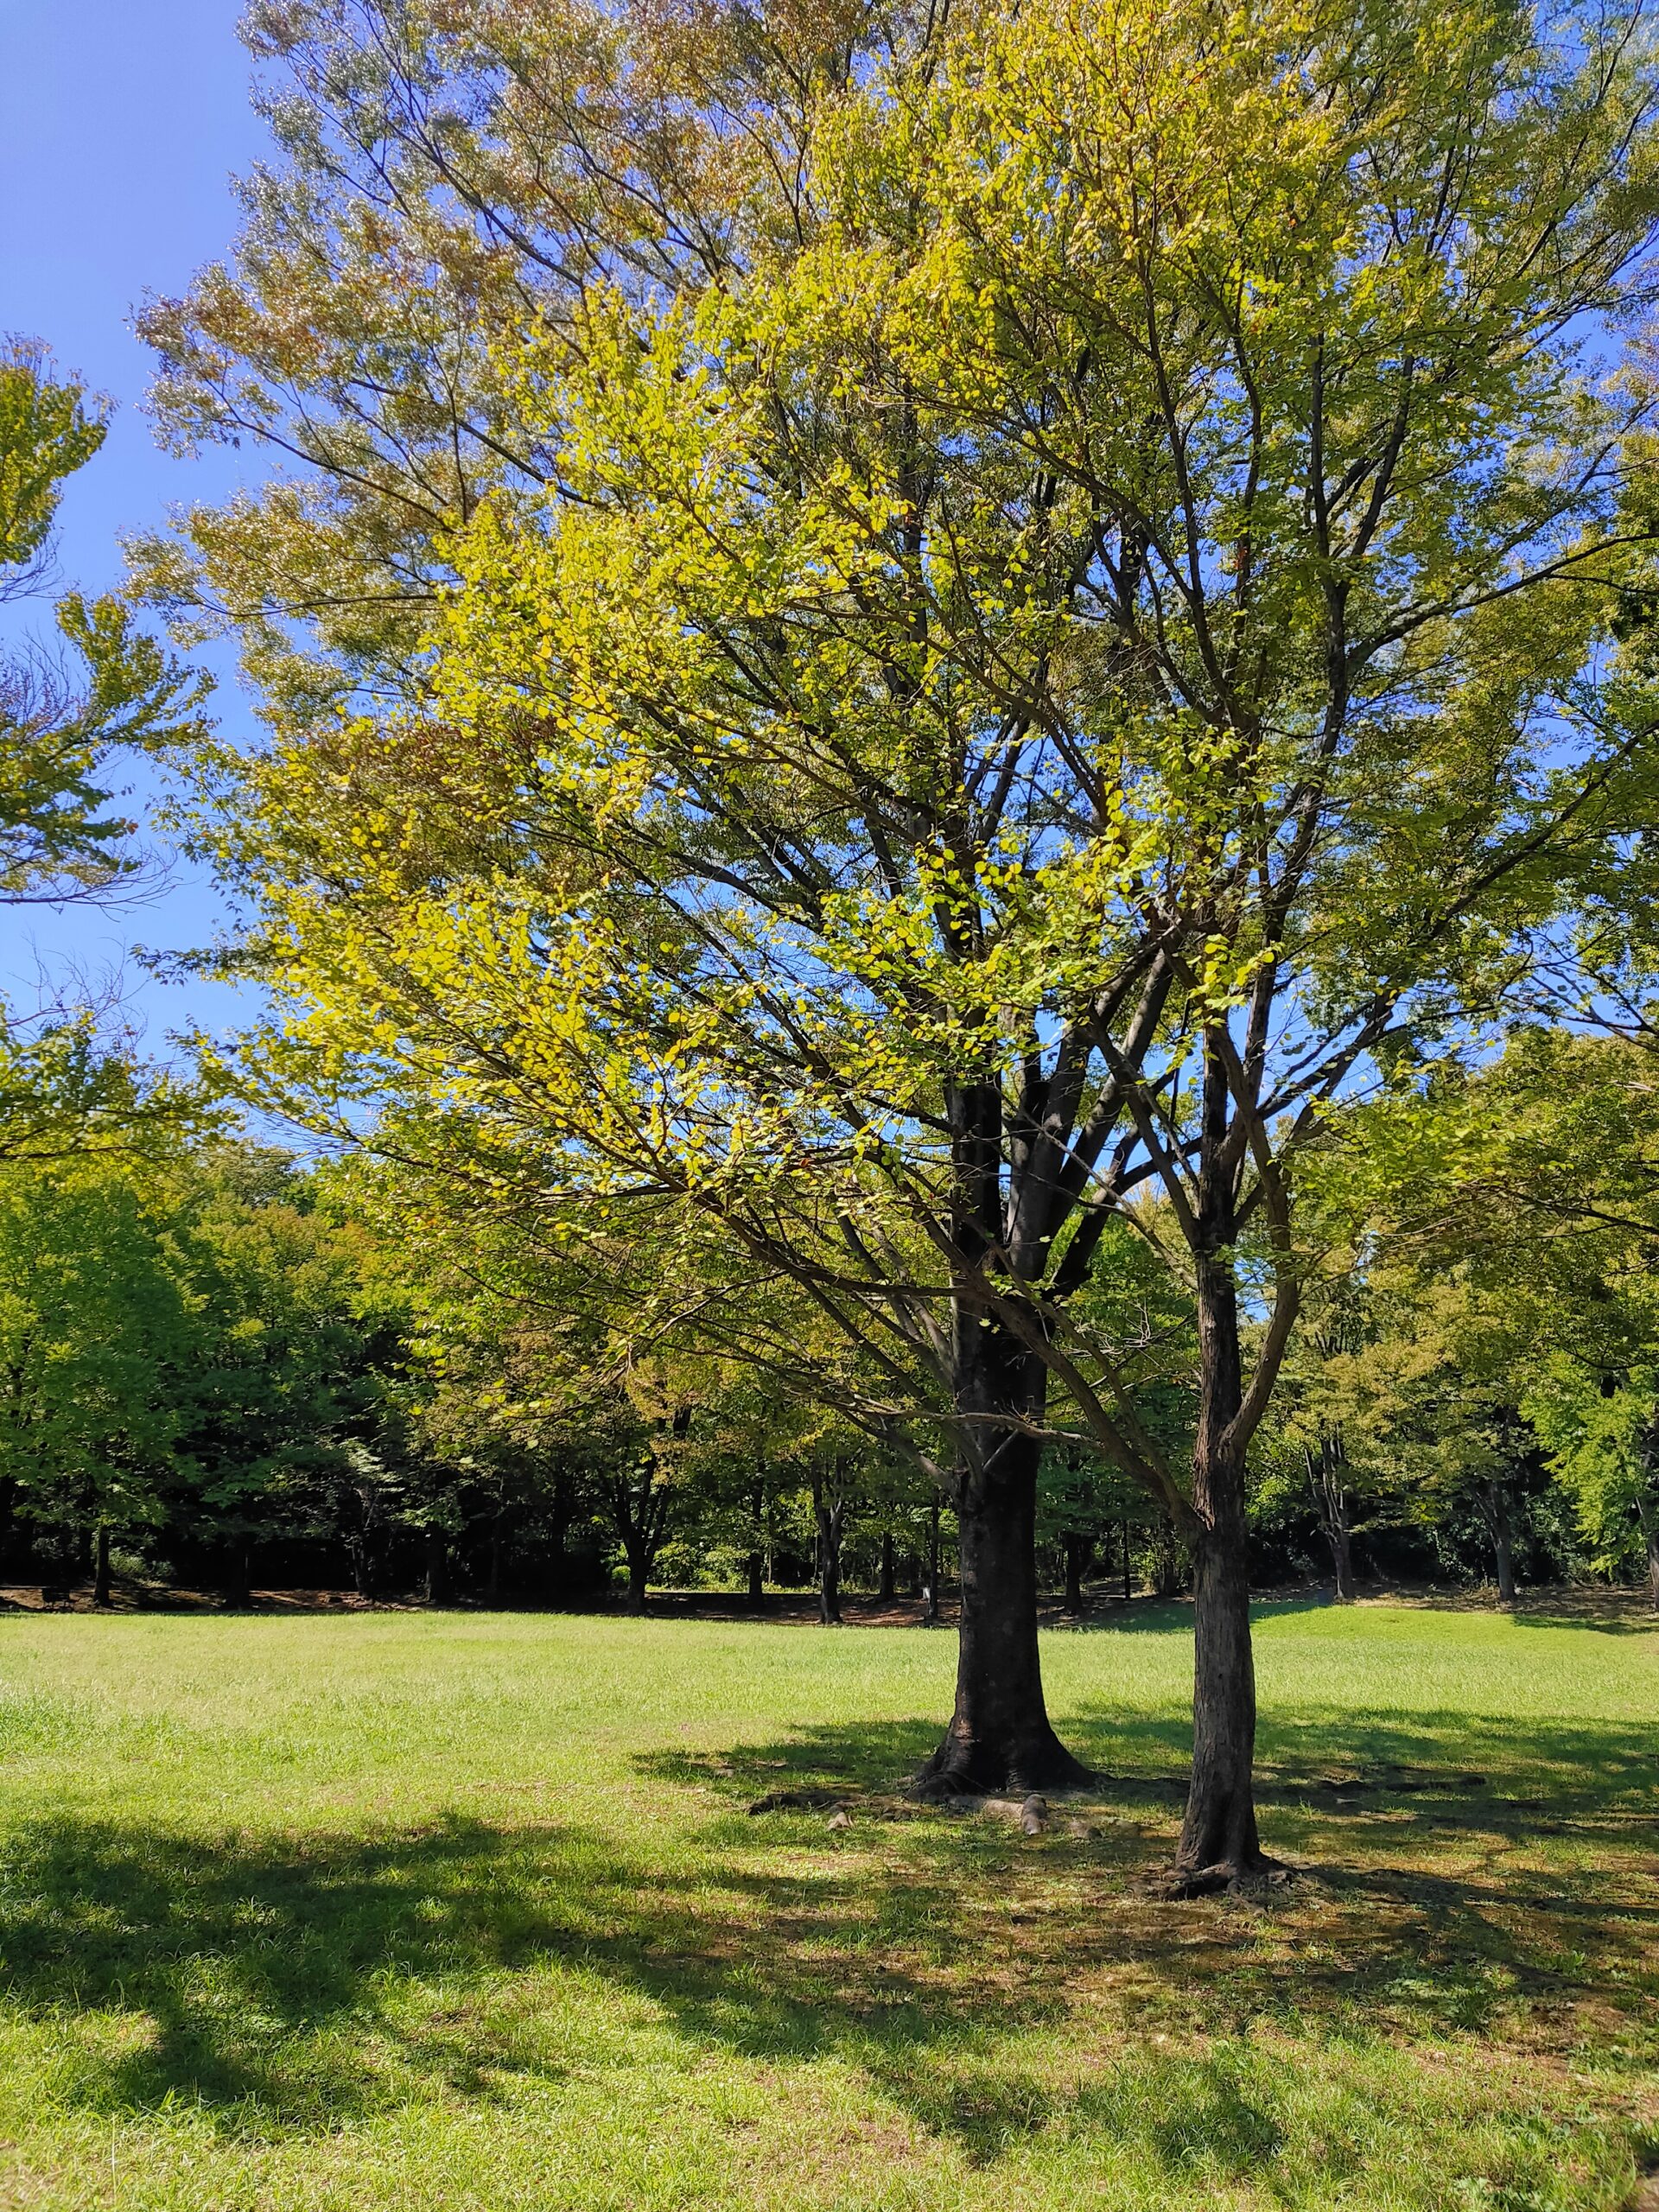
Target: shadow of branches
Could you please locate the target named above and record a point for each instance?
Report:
(277, 1980)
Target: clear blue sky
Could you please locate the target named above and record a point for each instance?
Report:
(122, 123)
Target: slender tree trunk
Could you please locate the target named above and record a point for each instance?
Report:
(1219, 1839)
(1077, 1549)
(437, 1568)
(101, 1572)
(931, 1594)
(238, 1583)
(1497, 1523)
(639, 1514)
(1166, 1559)
(887, 1588)
(83, 1551)
(498, 1549)
(1647, 1515)
(1000, 1738)
(828, 1515)
(561, 1511)
(757, 1562)
(1128, 1590)
(1331, 1497)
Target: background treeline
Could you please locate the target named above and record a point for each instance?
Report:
(225, 1369)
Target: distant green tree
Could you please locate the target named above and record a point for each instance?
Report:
(61, 735)
(1528, 1192)
(97, 1335)
(297, 1363)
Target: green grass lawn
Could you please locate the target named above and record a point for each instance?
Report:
(468, 1911)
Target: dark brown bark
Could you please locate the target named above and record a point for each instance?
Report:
(999, 1738)
(101, 1571)
(1219, 1833)
(1077, 1549)
(888, 1584)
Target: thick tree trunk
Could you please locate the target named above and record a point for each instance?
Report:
(101, 1571)
(1077, 1549)
(1219, 1834)
(639, 1577)
(888, 1587)
(1218, 1840)
(1000, 1739)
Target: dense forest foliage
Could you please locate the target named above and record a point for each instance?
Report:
(221, 1373)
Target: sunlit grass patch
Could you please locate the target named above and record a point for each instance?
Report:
(470, 1911)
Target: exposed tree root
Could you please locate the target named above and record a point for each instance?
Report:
(962, 1768)
(1254, 1878)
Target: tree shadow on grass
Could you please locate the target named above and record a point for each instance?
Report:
(278, 1984)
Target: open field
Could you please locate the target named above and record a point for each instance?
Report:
(468, 1911)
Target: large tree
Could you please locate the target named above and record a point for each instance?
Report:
(1006, 658)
